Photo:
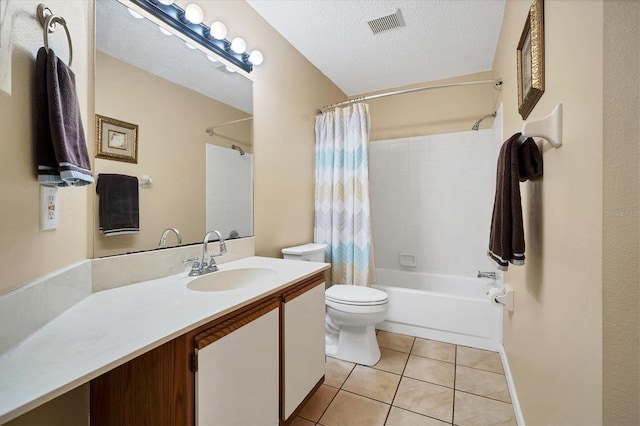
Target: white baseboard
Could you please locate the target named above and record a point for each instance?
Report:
(512, 388)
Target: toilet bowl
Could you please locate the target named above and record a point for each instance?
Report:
(351, 315)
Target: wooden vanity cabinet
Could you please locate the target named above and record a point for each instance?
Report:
(152, 389)
(280, 336)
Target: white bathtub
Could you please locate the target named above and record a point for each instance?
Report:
(448, 308)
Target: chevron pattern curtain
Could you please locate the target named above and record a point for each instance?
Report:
(342, 211)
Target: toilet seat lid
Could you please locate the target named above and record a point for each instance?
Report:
(355, 295)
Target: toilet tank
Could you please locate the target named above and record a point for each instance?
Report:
(311, 252)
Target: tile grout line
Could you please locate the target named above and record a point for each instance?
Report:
(336, 394)
(399, 381)
(483, 396)
(402, 376)
(325, 409)
(455, 377)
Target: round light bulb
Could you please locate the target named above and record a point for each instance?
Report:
(189, 45)
(238, 45)
(166, 2)
(256, 57)
(229, 69)
(135, 14)
(165, 32)
(193, 13)
(211, 58)
(218, 30)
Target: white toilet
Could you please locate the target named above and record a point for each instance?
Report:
(352, 313)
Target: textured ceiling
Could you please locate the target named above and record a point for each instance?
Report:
(440, 39)
(140, 43)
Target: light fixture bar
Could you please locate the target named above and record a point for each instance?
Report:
(173, 16)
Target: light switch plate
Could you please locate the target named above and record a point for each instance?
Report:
(48, 207)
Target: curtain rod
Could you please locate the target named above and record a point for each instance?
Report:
(496, 83)
(209, 130)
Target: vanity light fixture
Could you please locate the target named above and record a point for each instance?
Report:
(218, 30)
(194, 14)
(188, 21)
(256, 57)
(238, 45)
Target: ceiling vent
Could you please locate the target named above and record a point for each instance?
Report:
(385, 23)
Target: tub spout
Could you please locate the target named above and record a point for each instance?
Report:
(491, 275)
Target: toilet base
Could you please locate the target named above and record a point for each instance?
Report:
(354, 344)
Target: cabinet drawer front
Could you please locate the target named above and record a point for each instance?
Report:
(229, 326)
(303, 286)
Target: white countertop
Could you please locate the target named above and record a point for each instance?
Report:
(111, 327)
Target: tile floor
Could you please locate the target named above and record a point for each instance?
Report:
(416, 382)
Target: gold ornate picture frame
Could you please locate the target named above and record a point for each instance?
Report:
(530, 59)
(117, 140)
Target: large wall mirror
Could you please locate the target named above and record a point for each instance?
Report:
(200, 179)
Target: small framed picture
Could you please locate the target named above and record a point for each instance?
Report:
(117, 140)
(530, 60)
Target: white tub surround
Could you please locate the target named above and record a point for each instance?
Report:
(442, 307)
(432, 198)
(111, 327)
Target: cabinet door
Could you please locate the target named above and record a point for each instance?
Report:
(237, 379)
(304, 353)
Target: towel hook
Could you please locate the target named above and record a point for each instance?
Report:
(548, 128)
(48, 21)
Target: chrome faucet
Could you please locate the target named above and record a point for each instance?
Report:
(163, 238)
(491, 275)
(202, 267)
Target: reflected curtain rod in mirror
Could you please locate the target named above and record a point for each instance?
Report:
(188, 22)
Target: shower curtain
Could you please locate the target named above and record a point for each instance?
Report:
(342, 211)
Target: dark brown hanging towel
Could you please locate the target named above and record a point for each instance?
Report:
(516, 163)
(61, 149)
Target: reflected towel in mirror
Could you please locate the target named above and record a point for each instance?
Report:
(118, 208)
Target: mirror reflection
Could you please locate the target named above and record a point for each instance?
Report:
(194, 137)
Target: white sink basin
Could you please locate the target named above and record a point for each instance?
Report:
(231, 279)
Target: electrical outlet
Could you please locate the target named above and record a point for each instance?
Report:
(48, 207)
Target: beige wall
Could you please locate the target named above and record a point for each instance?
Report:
(452, 109)
(287, 91)
(553, 339)
(621, 249)
(565, 372)
(171, 150)
(25, 251)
